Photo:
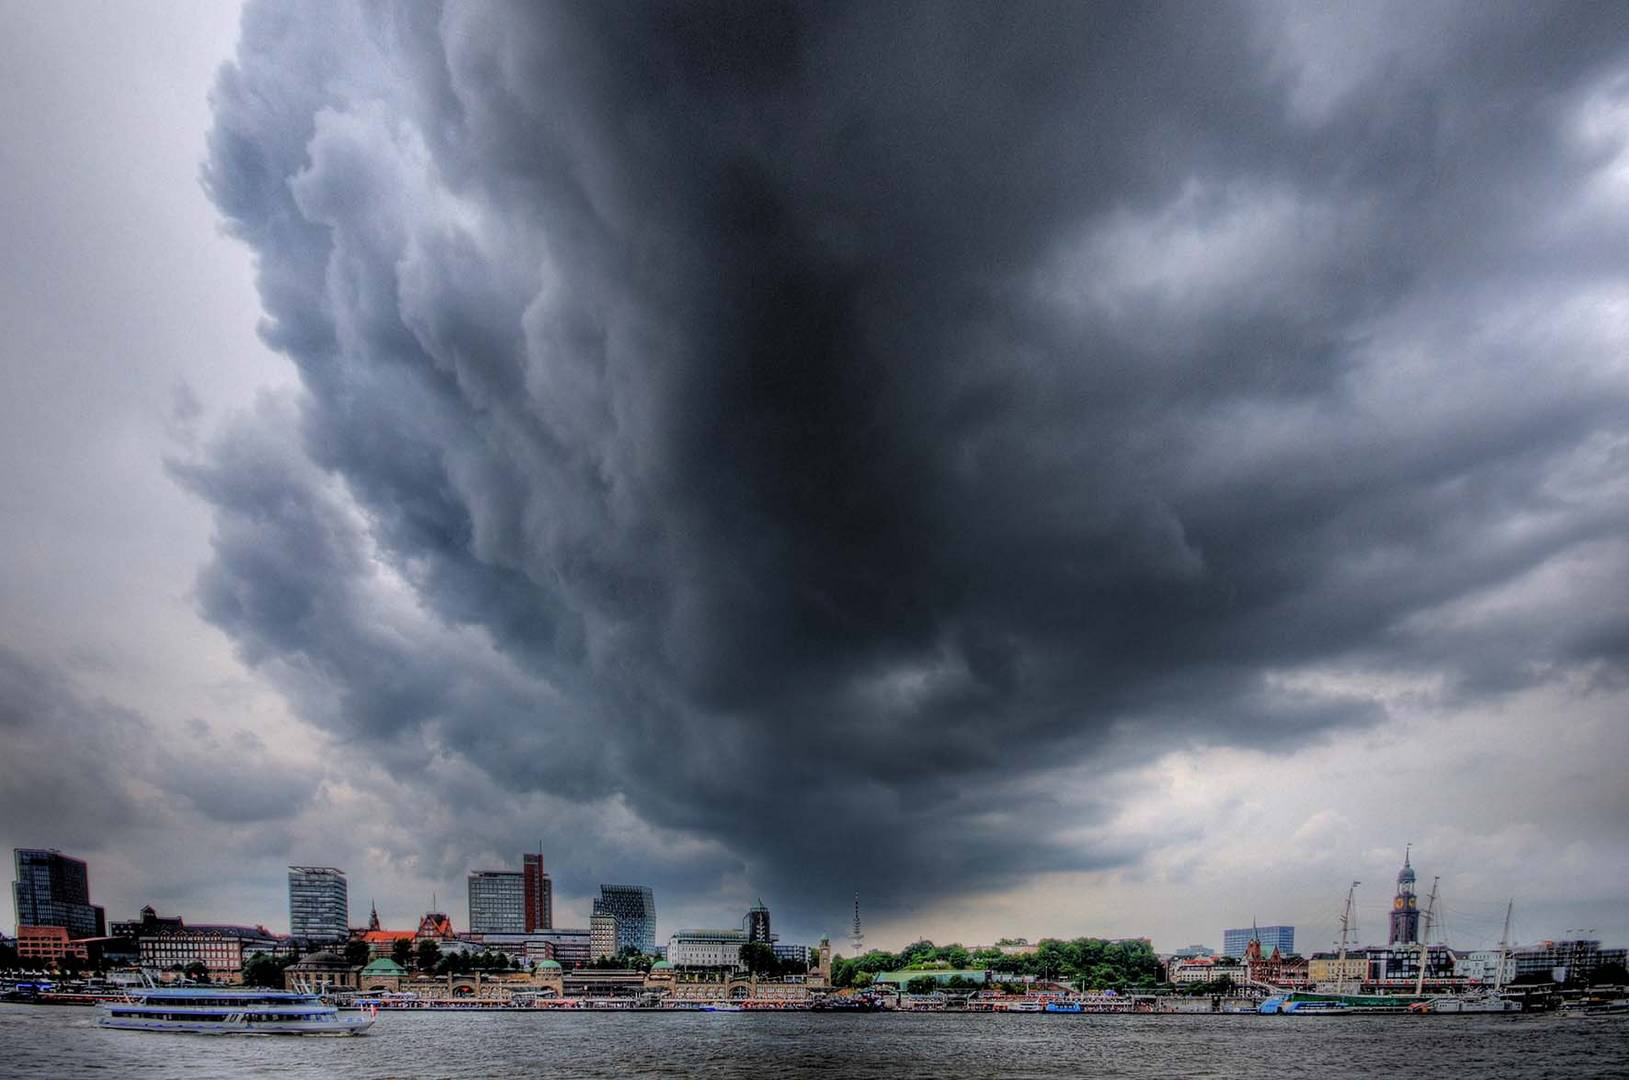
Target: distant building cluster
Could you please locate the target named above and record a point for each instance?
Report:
(511, 913)
(511, 929)
(1266, 956)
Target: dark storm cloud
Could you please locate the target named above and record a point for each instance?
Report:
(836, 416)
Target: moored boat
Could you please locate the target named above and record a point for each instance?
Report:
(210, 1011)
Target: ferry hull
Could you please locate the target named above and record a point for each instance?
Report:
(347, 1025)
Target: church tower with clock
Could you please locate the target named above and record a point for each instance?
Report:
(1405, 908)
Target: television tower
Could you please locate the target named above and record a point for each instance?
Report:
(857, 937)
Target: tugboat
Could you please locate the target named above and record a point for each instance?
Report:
(205, 1010)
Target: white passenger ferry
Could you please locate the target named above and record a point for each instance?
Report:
(205, 1010)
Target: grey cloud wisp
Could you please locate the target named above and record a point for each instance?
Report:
(816, 424)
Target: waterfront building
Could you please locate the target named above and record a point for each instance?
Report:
(603, 983)
(635, 909)
(603, 934)
(381, 974)
(796, 954)
(497, 902)
(48, 945)
(1397, 968)
(1563, 961)
(1204, 969)
(572, 948)
(1328, 969)
(222, 949)
(939, 975)
(383, 942)
(147, 923)
(539, 894)
(1274, 968)
(53, 889)
(1404, 926)
(1481, 966)
(756, 924)
(695, 949)
(321, 972)
(1236, 942)
(1187, 952)
(319, 907)
(436, 926)
(1010, 947)
(525, 948)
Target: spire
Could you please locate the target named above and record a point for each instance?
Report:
(857, 937)
(373, 915)
(1405, 876)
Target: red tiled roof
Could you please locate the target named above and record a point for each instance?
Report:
(389, 935)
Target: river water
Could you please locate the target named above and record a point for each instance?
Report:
(42, 1041)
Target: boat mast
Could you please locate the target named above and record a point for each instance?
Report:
(1425, 936)
(1346, 926)
(1504, 950)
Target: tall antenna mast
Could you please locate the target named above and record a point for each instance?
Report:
(1346, 927)
(857, 936)
(1425, 936)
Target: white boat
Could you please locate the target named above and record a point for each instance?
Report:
(205, 1010)
(1470, 1003)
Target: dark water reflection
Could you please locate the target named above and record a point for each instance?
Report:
(62, 1042)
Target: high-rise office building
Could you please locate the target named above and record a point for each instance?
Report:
(1282, 938)
(756, 924)
(497, 902)
(1405, 908)
(53, 889)
(635, 909)
(604, 935)
(539, 894)
(319, 906)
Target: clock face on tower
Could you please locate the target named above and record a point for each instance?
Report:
(1398, 903)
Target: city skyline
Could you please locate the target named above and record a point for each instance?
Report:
(314, 883)
(1111, 471)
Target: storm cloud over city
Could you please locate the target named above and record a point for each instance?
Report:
(1049, 469)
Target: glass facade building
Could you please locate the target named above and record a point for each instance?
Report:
(497, 902)
(1282, 938)
(53, 889)
(319, 905)
(756, 924)
(635, 909)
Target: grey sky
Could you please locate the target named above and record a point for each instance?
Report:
(1092, 471)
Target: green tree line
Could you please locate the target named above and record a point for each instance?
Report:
(1092, 963)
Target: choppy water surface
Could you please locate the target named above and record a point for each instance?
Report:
(40, 1041)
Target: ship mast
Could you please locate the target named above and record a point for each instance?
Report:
(1425, 936)
(1504, 950)
(1346, 926)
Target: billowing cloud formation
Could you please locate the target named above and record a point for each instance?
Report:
(812, 425)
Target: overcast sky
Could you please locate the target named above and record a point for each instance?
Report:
(1052, 470)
